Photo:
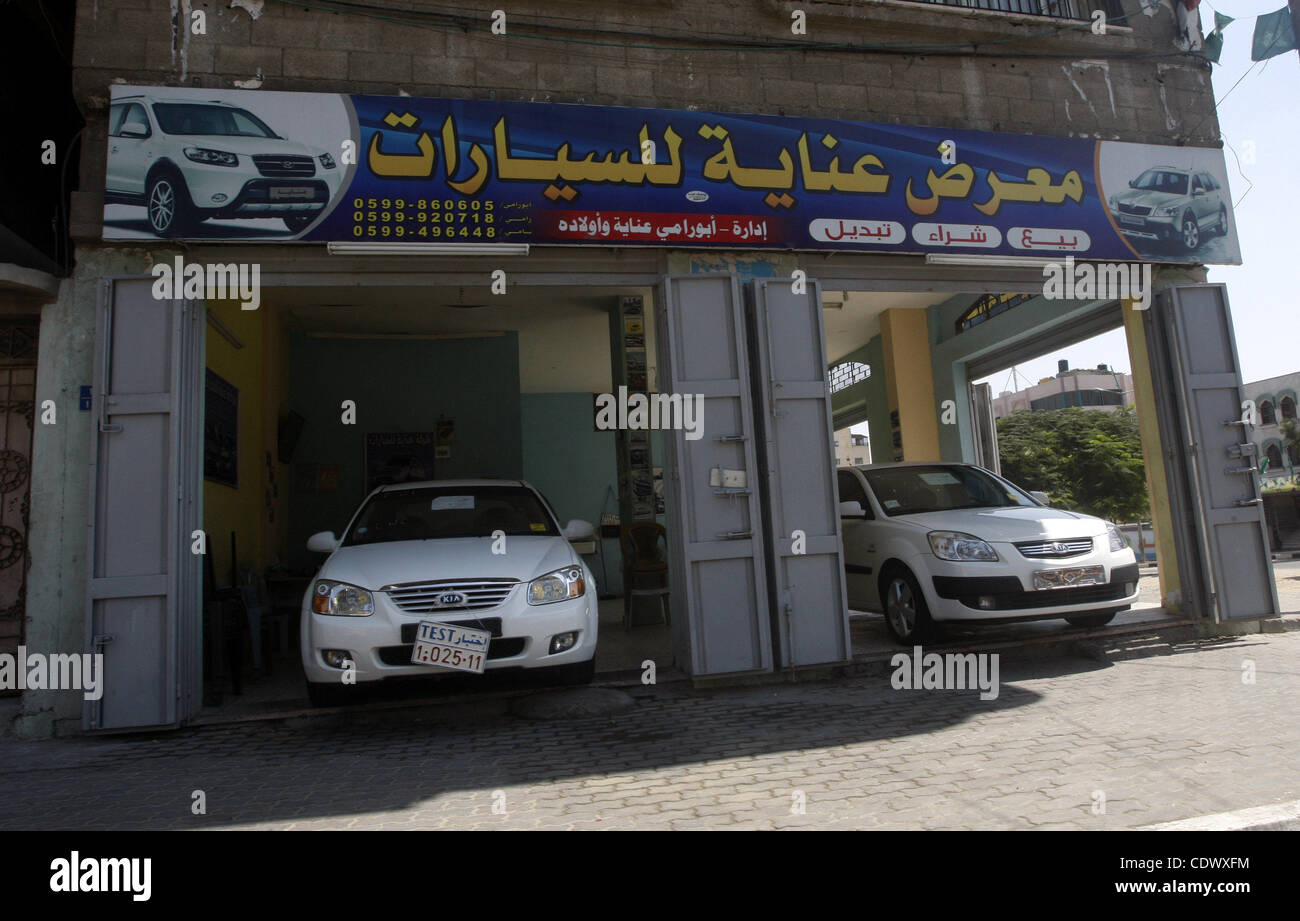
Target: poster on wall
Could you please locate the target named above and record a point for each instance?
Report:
(398, 457)
(230, 165)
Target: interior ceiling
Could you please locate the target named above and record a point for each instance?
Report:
(851, 318)
(857, 321)
(426, 311)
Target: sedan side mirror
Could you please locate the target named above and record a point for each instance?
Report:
(579, 530)
(323, 542)
(852, 509)
(1041, 497)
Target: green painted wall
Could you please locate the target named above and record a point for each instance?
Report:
(574, 465)
(399, 385)
(849, 403)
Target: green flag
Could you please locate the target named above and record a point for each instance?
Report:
(1273, 35)
(1214, 41)
(1214, 45)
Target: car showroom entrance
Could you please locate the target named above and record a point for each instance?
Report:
(430, 335)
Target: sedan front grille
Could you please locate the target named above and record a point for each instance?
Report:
(438, 597)
(1134, 209)
(1055, 549)
(298, 167)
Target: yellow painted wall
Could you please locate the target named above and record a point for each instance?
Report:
(1153, 455)
(909, 383)
(257, 370)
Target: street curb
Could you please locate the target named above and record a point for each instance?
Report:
(1255, 818)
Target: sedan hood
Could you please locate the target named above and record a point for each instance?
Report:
(373, 566)
(1011, 523)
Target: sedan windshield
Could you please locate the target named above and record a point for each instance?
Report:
(941, 488)
(220, 121)
(1162, 180)
(450, 511)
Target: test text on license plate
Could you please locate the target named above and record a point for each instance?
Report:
(449, 646)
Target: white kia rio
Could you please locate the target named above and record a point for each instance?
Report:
(468, 557)
(928, 542)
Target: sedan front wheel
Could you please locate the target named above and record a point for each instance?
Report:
(906, 613)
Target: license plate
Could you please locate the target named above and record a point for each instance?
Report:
(1070, 578)
(295, 193)
(1132, 221)
(447, 646)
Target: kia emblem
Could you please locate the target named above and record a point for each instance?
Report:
(449, 600)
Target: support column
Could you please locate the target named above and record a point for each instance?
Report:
(909, 383)
(1153, 456)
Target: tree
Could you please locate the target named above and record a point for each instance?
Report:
(1086, 460)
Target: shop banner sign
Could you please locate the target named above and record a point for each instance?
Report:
(231, 165)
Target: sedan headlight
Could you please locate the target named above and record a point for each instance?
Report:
(211, 157)
(1117, 541)
(341, 599)
(326, 161)
(560, 585)
(961, 548)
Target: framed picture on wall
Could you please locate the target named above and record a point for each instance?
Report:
(220, 430)
(399, 457)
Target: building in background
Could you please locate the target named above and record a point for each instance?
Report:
(1275, 402)
(851, 449)
(1091, 388)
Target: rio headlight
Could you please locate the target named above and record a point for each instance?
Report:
(961, 548)
(326, 161)
(211, 157)
(341, 599)
(560, 585)
(1117, 541)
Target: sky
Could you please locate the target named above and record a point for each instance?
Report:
(1260, 116)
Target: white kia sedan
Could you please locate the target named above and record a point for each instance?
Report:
(933, 542)
(448, 575)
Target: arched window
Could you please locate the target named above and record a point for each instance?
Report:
(1267, 416)
(1274, 455)
(1293, 452)
(1287, 405)
(848, 373)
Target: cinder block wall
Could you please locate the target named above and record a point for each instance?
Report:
(1157, 98)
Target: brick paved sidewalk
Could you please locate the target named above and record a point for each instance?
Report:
(1163, 732)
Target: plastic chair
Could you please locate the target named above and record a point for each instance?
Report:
(644, 561)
